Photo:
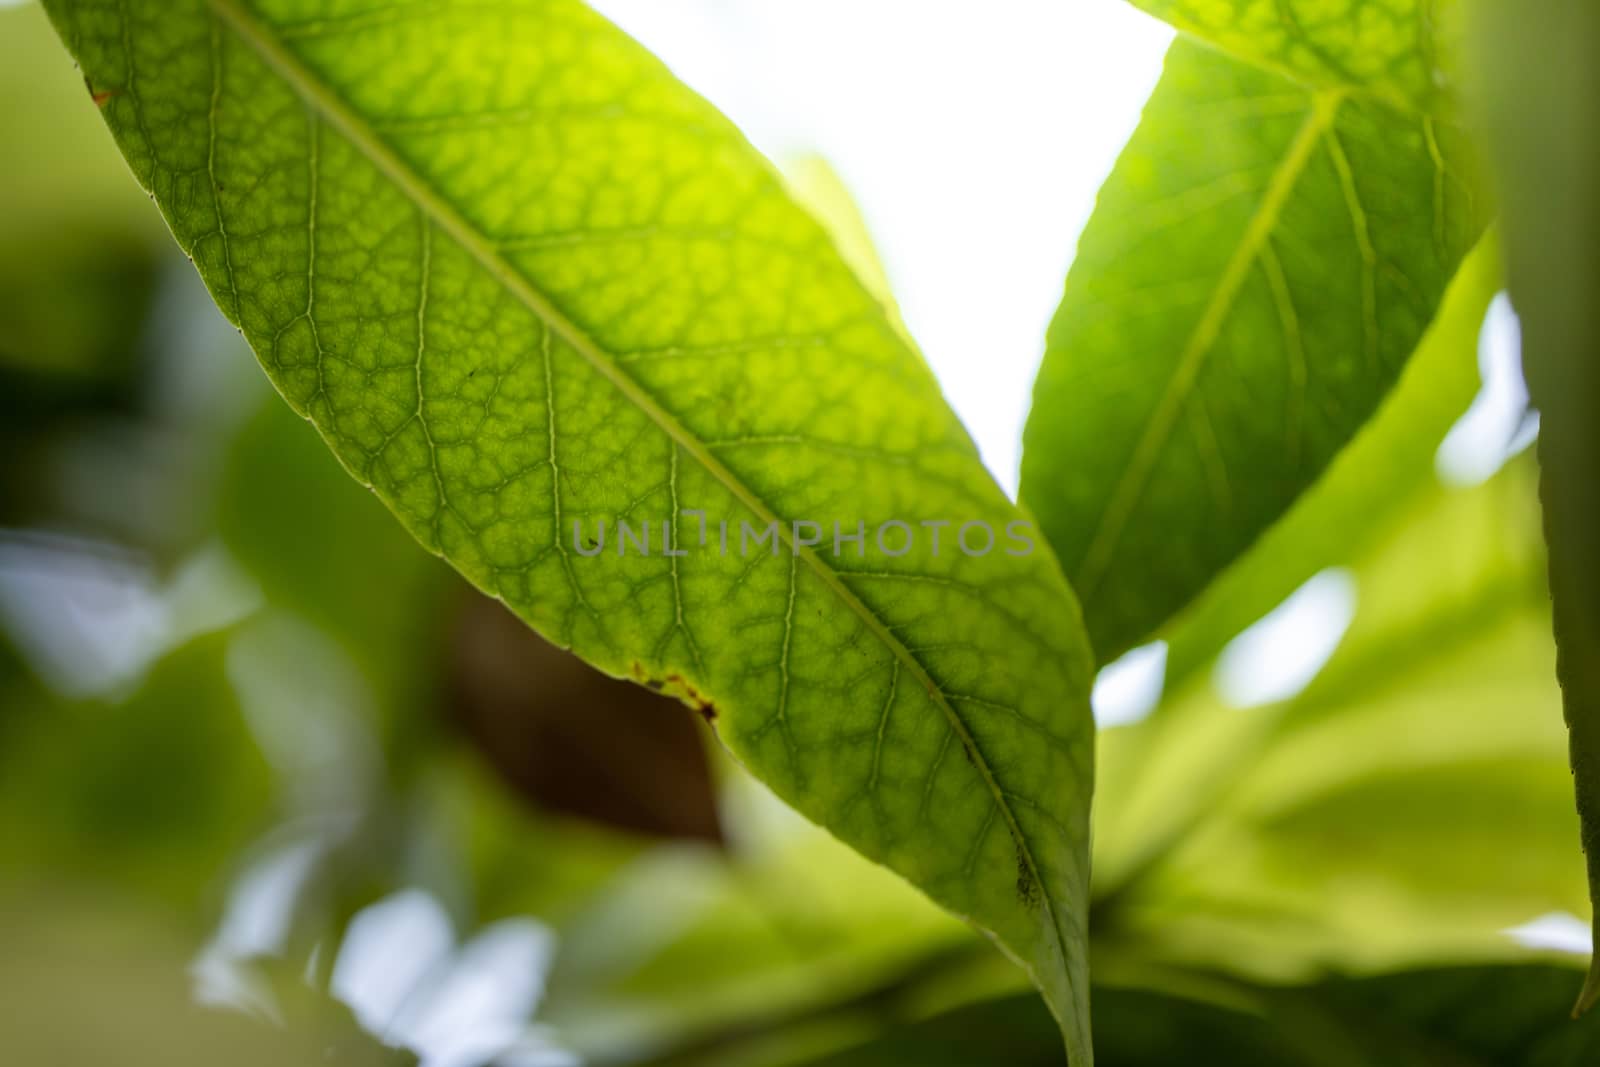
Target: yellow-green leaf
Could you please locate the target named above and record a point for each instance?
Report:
(524, 282)
(1231, 836)
(1403, 52)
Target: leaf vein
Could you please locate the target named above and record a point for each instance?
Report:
(1158, 429)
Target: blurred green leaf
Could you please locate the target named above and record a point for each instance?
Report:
(540, 340)
(1368, 488)
(81, 249)
(151, 794)
(520, 861)
(1132, 1029)
(1510, 1016)
(1011, 1031)
(89, 981)
(1507, 1016)
(1260, 266)
(326, 550)
(1407, 805)
(1399, 51)
(1539, 99)
(820, 189)
(691, 942)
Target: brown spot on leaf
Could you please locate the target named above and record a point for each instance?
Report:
(101, 97)
(676, 685)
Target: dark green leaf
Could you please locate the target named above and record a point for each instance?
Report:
(1540, 101)
(1508, 1016)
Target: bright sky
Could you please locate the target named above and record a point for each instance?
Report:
(973, 136)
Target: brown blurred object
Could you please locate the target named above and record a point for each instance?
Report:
(573, 741)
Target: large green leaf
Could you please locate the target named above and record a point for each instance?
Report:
(523, 281)
(1260, 265)
(1399, 51)
(1540, 101)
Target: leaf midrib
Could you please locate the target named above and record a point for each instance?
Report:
(1324, 107)
(327, 102)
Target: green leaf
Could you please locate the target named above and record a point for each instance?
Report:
(1230, 836)
(1010, 1030)
(331, 555)
(1371, 485)
(1504, 1015)
(79, 263)
(1261, 264)
(795, 928)
(1140, 1028)
(1399, 51)
(523, 281)
(150, 794)
(1540, 103)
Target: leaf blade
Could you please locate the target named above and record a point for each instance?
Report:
(1251, 284)
(1431, 698)
(1350, 506)
(632, 352)
(1535, 95)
